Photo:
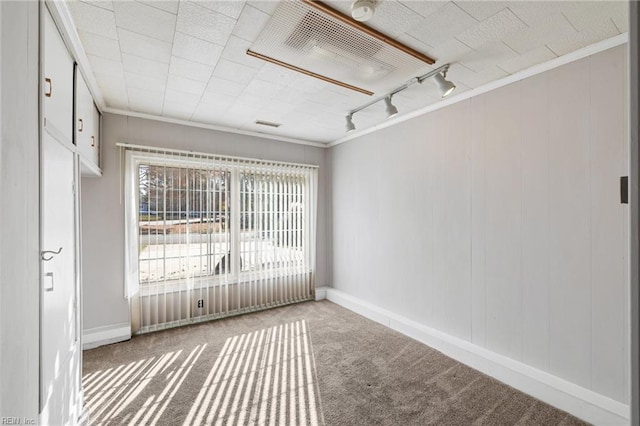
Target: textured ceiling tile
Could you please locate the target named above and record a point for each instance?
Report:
(144, 82)
(224, 87)
(278, 109)
(292, 96)
(555, 27)
(200, 22)
(206, 113)
(114, 91)
(590, 14)
(495, 28)
(342, 6)
(392, 18)
(250, 23)
(98, 45)
(189, 69)
(462, 75)
(217, 100)
(230, 8)
(449, 51)
(333, 99)
(622, 23)
(177, 110)
(481, 10)
(171, 95)
(527, 60)
(584, 38)
(146, 20)
(143, 46)
(234, 72)
(185, 85)
(487, 56)
(194, 49)
(413, 43)
(106, 66)
(267, 6)
(167, 6)
(407, 104)
(146, 67)
(252, 99)
(263, 88)
(145, 101)
(443, 24)
(424, 8)
(93, 19)
(535, 13)
(277, 74)
(104, 4)
(309, 84)
(245, 111)
(236, 51)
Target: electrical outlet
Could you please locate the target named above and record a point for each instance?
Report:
(200, 303)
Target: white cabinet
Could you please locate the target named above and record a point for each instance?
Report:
(87, 127)
(57, 83)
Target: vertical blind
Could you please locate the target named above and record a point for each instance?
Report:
(211, 236)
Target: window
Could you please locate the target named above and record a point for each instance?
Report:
(233, 233)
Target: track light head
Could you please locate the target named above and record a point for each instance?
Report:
(391, 108)
(363, 10)
(444, 86)
(350, 126)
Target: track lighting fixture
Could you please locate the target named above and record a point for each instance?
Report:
(350, 126)
(444, 86)
(439, 77)
(391, 108)
(363, 10)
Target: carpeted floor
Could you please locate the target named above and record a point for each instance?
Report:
(311, 363)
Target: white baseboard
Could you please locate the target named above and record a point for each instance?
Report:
(582, 403)
(321, 293)
(98, 336)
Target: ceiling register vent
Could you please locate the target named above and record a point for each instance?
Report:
(311, 37)
(267, 123)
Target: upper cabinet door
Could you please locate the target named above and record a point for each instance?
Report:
(87, 124)
(57, 84)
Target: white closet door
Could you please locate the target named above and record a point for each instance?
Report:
(59, 350)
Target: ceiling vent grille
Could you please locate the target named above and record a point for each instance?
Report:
(267, 123)
(312, 38)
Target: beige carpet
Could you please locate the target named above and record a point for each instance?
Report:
(311, 363)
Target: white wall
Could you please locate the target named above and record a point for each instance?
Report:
(497, 220)
(103, 212)
(19, 224)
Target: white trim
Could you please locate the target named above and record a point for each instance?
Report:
(521, 75)
(583, 403)
(98, 336)
(213, 127)
(321, 293)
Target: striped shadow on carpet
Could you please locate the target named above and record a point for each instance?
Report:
(264, 377)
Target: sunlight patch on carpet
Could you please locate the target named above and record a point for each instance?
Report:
(264, 377)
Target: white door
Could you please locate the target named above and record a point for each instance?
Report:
(59, 339)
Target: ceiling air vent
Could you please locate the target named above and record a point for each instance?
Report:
(310, 37)
(268, 123)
